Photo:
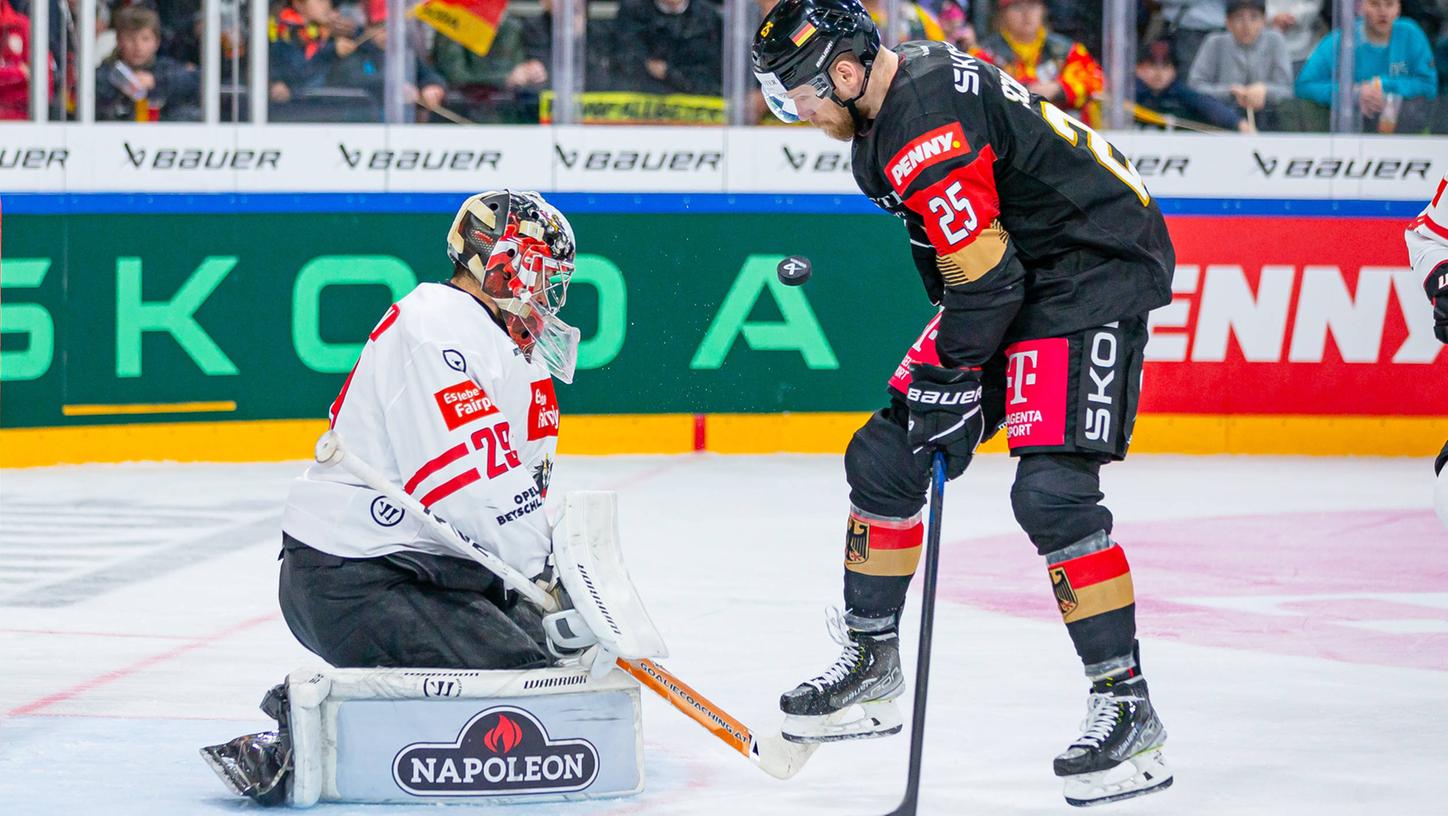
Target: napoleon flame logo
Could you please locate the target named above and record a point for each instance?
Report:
(504, 736)
(500, 752)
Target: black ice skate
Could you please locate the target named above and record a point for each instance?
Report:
(1119, 755)
(257, 766)
(254, 766)
(854, 698)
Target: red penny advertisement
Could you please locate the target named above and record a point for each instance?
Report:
(1275, 315)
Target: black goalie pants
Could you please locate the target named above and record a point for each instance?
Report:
(406, 610)
(1069, 405)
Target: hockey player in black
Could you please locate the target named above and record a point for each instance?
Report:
(1044, 251)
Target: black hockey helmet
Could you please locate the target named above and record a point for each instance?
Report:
(798, 41)
(520, 249)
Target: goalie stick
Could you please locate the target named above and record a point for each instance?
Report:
(771, 753)
(910, 803)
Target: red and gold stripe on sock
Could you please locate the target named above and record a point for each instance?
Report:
(1093, 584)
(878, 546)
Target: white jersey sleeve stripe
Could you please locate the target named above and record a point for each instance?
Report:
(443, 460)
(450, 487)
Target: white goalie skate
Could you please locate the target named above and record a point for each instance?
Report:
(854, 698)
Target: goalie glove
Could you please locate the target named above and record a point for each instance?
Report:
(566, 632)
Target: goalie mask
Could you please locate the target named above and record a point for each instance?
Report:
(520, 248)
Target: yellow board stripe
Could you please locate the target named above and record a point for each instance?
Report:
(887, 562)
(149, 408)
(1100, 598)
(282, 439)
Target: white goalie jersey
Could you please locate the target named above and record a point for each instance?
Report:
(1427, 235)
(444, 404)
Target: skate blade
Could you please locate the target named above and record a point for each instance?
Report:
(1144, 773)
(225, 768)
(880, 718)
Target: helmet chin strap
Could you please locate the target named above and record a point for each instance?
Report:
(849, 104)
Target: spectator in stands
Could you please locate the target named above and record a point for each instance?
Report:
(1081, 20)
(181, 22)
(14, 63)
(1297, 21)
(135, 84)
(326, 67)
(1246, 66)
(955, 24)
(1394, 80)
(493, 84)
(303, 48)
(669, 46)
(1051, 65)
(1165, 98)
(1189, 23)
(538, 49)
(915, 22)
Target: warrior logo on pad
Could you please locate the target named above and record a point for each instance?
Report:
(463, 403)
(927, 149)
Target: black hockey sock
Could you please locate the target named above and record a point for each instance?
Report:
(881, 555)
(1092, 584)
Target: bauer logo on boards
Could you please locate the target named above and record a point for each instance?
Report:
(463, 403)
(503, 751)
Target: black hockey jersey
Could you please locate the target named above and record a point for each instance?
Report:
(1023, 221)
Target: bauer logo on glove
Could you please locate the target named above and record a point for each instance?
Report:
(945, 415)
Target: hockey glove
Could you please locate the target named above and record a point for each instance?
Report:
(1436, 286)
(945, 415)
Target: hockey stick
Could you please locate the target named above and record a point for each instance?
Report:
(911, 800)
(771, 753)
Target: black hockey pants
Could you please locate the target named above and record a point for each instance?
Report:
(408, 610)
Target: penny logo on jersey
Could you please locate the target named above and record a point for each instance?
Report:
(543, 411)
(929, 148)
(502, 751)
(462, 403)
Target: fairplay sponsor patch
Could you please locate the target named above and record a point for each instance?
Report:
(462, 403)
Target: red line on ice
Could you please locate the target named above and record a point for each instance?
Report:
(139, 666)
(94, 634)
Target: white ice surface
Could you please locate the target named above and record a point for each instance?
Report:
(1294, 619)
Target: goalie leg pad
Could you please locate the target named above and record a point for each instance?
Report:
(425, 735)
(590, 566)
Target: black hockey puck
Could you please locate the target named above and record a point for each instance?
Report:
(794, 270)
